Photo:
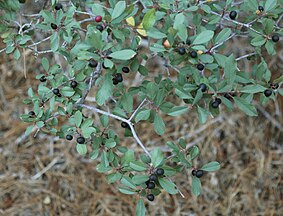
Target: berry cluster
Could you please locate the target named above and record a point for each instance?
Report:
(151, 183)
(197, 173)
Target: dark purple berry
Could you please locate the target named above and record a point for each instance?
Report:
(150, 197)
(275, 38)
(92, 63)
(215, 104)
(233, 15)
(118, 77)
(194, 172)
(200, 67)
(69, 137)
(42, 79)
(31, 113)
(268, 92)
(193, 54)
(150, 185)
(182, 50)
(124, 125)
(115, 82)
(53, 26)
(218, 100)
(159, 171)
(260, 8)
(203, 87)
(81, 140)
(74, 84)
(56, 91)
(58, 6)
(125, 69)
(153, 177)
(199, 173)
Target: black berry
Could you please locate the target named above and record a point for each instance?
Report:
(99, 27)
(233, 15)
(199, 173)
(194, 172)
(115, 82)
(159, 171)
(124, 125)
(125, 69)
(150, 197)
(182, 50)
(81, 140)
(150, 185)
(74, 84)
(42, 79)
(56, 91)
(260, 8)
(22, 1)
(218, 100)
(92, 63)
(203, 87)
(200, 67)
(53, 26)
(193, 54)
(118, 77)
(268, 92)
(153, 177)
(69, 137)
(58, 6)
(215, 104)
(275, 86)
(31, 113)
(275, 38)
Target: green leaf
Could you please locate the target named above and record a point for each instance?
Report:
(252, 89)
(127, 102)
(54, 42)
(230, 69)
(45, 64)
(40, 124)
(176, 111)
(81, 149)
(196, 186)
(202, 115)
(159, 125)
(149, 19)
(269, 5)
(126, 191)
(105, 90)
(104, 159)
(140, 208)
(138, 166)
(29, 130)
(168, 186)
(139, 179)
(203, 37)
(67, 91)
(258, 41)
(110, 143)
(118, 9)
(211, 166)
(104, 120)
(142, 115)
(128, 182)
(245, 106)
(78, 118)
(113, 177)
(17, 54)
(156, 157)
(223, 35)
(123, 54)
(194, 152)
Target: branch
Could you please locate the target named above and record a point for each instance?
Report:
(245, 56)
(137, 109)
(95, 74)
(220, 44)
(120, 119)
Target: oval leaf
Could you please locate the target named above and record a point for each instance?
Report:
(211, 166)
(203, 37)
(123, 54)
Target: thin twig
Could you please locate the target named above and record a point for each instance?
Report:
(137, 109)
(121, 119)
(45, 169)
(245, 56)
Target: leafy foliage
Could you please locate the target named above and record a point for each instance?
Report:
(99, 54)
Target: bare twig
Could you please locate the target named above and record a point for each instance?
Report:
(137, 109)
(45, 169)
(245, 56)
(121, 119)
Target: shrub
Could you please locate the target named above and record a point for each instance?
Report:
(101, 47)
